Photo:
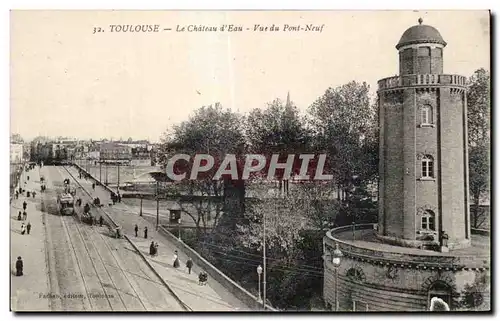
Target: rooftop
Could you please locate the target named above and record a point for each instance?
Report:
(420, 34)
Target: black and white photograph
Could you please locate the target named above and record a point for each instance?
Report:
(331, 161)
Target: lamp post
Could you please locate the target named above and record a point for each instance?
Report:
(337, 254)
(140, 212)
(179, 222)
(118, 185)
(259, 272)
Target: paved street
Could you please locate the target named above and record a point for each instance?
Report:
(72, 266)
(213, 297)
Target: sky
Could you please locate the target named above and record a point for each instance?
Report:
(67, 81)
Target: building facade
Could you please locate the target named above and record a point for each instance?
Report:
(16, 153)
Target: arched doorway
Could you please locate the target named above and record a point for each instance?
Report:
(441, 290)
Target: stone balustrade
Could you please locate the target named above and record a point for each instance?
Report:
(422, 80)
(385, 254)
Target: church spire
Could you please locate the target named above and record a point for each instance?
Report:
(288, 104)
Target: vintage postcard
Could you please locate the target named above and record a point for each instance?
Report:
(234, 161)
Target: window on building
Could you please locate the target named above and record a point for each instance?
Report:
(426, 115)
(424, 51)
(428, 221)
(427, 166)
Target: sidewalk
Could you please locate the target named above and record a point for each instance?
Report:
(212, 297)
(185, 285)
(27, 291)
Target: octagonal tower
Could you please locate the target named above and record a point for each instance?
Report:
(423, 185)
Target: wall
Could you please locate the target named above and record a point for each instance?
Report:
(407, 290)
(452, 167)
(394, 164)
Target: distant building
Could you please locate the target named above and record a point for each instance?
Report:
(114, 152)
(16, 153)
(141, 156)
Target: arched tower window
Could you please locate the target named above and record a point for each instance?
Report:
(428, 221)
(427, 166)
(426, 115)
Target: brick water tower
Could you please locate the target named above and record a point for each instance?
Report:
(423, 187)
(422, 246)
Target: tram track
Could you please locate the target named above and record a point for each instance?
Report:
(78, 262)
(86, 237)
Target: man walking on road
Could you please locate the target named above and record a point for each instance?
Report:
(146, 232)
(189, 265)
(136, 229)
(93, 186)
(25, 205)
(101, 220)
(19, 266)
(25, 216)
(28, 228)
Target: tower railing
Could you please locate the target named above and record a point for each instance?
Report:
(422, 80)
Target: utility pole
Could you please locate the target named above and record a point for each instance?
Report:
(264, 252)
(106, 167)
(157, 207)
(118, 186)
(100, 172)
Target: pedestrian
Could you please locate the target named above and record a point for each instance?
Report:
(119, 198)
(93, 186)
(28, 228)
(152, 249)
(136, 229)
(34, 193)
(23, 229)
(189, 265)
(28, 178)
(156, 248)
(25, 216)
(25, 205)
(176, 260)
(17, 194)
(202, 278)
(101, 220)
(19, 266)
(146, 232)
(19, 216)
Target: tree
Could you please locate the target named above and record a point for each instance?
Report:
(210, 130)
(473, 294)
(478, 116)
(478, 108)
(479, 168)
(277, 128)
(344, 125)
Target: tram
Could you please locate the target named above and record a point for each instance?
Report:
(66, 204)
